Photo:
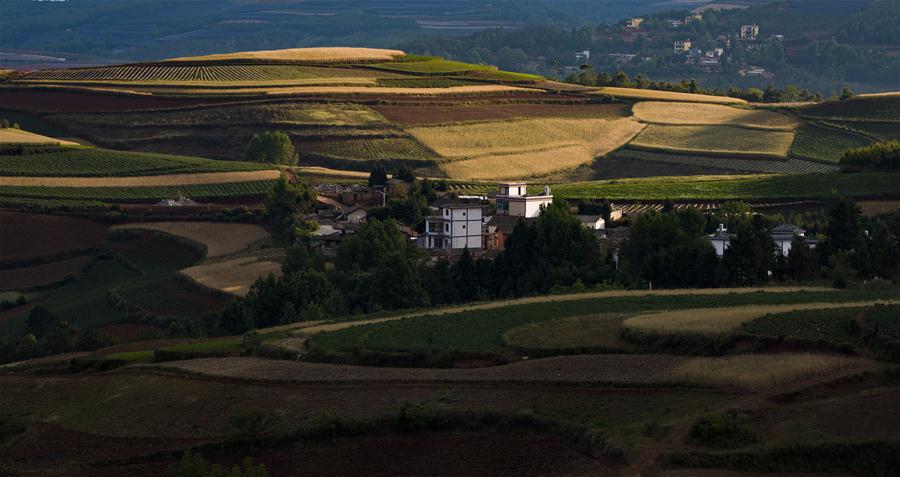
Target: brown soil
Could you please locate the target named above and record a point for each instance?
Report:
(623, 369)
(126, 332)
(41, 275)
(27, 236)
(424, 115)
(73, 102)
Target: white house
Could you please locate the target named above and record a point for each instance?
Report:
(750, 32)
(782, 235)
(513, 200)
(457, 226)
(683, 46)
(592, 222)
(356, 215)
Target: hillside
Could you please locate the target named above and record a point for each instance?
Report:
(351, 108)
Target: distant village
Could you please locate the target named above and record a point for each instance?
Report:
(709, 60)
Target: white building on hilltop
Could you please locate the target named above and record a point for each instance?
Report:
(513, 200)
(457, 226)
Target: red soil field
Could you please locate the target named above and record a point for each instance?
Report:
(73, 102)
(26, 236)
(422, 115)
(40, 275)
(448, 455)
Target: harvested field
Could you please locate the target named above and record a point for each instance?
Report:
(234, 276)
(521, 148)
(762, 371)
(27, 236)
(202, 75)
(218, 239)
(17, 136)
(303, 55)
(684, 114)
(585, 369)
(722, 320)
(142, 181)
(41, 275)
(726, 140)
(431, 115)
(653, 95)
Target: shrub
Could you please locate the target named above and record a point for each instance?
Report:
(725, 431)
(273, 147)
(880, 155)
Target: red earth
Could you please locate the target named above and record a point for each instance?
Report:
(26, 236)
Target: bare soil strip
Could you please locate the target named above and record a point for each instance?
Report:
(217, 238)
(587, 369)
(142, 181)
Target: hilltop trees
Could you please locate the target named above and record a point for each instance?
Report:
(883, 155)
(273, 147)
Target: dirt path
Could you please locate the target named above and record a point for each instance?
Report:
(306, 330)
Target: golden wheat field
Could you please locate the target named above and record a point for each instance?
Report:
(314, 55)
(219, 239)
(728, 140)
(649, 94)
(523, 148)
(234, 276)
(143, 181)
(761, 371)
(17, 136)
(722, 320)
(659, 112)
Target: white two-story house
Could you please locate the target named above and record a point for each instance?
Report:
(457, 226)
(513, 200)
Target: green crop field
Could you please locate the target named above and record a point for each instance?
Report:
(714, 139)
(436, 66)
(831, 325)
(216, 73)
(790, 166)
(824, 144)
(875, 108)
(427, 82)
(366, 149)
(483, 330)
(882, 131)
(236, 189)
(754, 187)
(104, 162)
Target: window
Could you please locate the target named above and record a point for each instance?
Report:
(464, 226)
(464, 214)
(446, 227)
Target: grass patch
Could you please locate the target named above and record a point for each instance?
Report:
(592, 332)
(714, 140)
(824, 144)
(758, 371)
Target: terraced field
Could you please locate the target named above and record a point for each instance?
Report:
(787, 166)
(824, 144)
(108, 163)
(18, 136)
(722, 140)
(226, 74)
(685, 114)
(654, 95)
(132, 193)
(752, 187)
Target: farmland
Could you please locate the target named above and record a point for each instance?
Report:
(724, 140)
(203, 75)
(234, 276)
(789, 166)
(108, 163)
(24, 278)
(136, 193)
(17, 136)
(435, 114)
(26, 237)
(654, 95)
(216, 239)
(744, 187)
(823, 144)
(684, 114)
(311, 55)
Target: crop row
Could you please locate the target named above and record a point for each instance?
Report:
(105, 162)
(235, 189)
(789, 166)
(183, 73)
(824, 144)
(805, 186)
(370, 148)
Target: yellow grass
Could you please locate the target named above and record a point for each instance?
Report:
(17, 136)
(659, 112)
(234, 276)
(161, 180)
(762, 371)
(715, 140)
(523, 148)
(722, 320)
(633, 93)
(312, 55)
(218, 239)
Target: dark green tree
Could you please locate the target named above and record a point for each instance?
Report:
(378, 176)
(801, 261)
(284, 206)
(750, 255)
(273, 147)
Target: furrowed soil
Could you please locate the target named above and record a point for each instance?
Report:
(142, 181)
(425, 115)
